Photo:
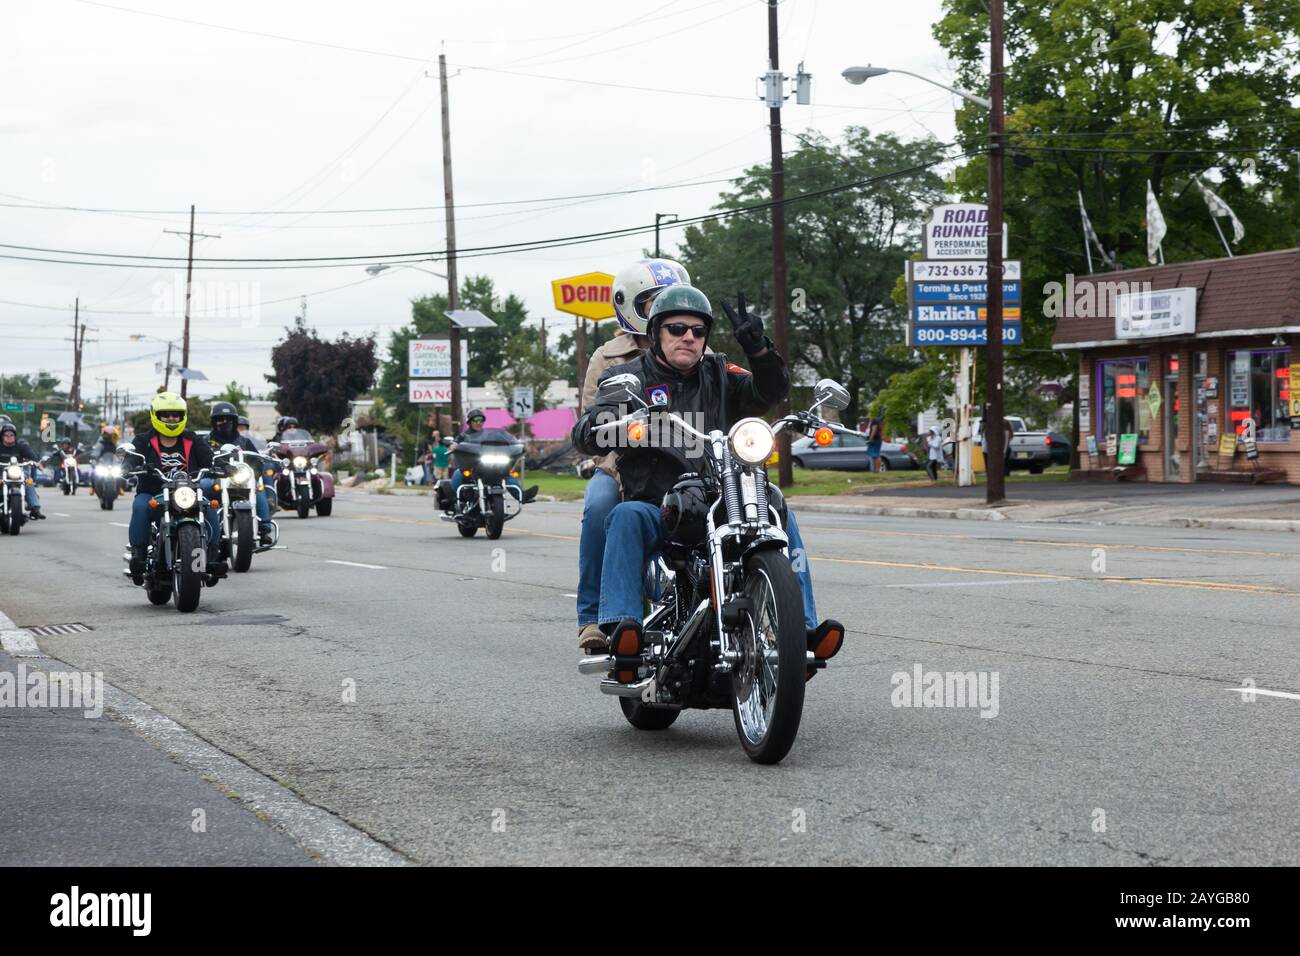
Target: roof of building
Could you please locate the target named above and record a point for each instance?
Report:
(1258, 292)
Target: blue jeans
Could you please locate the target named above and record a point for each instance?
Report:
(633, 536)
(263, 509)
(138, 531)
(33, 499)
(598, 501)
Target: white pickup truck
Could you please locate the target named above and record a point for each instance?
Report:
(1032, 450)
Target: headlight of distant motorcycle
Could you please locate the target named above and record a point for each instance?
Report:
(101, 471)
(299, 461)
(184, 498)
(115, 471)
(14, 472)
(495, 459)
(241, 476)
(752, 440)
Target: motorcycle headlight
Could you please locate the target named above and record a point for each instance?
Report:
(14, 472)
(240, 476)
(495, 459)
(184, 498)
(115, 471)
(101, 471)
(299, 461)
(752, 440)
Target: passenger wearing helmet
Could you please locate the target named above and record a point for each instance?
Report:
(242, 424)
(169, 446)
(107, 444)
(677, 374)
(635, 288)
(225, 420)
(14, 448)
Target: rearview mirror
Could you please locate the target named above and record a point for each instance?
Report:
(830, 393)
(127, 449)
(621, 388)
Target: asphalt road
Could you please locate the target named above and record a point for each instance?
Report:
(423, 688)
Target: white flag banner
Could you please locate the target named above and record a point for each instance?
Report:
(1090, 234)
(1220, 208)
(1156, 227)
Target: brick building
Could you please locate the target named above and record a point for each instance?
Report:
(1182, 354)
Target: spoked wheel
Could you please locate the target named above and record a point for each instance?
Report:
(245, 541)
(767, 684)
(647, 718)
(187, 584)
(496, 517)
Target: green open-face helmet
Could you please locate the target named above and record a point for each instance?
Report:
(674, 301)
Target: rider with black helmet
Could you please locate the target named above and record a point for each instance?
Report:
(677, 374)
(225, 431)
(11, 446)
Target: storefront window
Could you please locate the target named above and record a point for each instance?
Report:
(1122, 385)
(1257, 388)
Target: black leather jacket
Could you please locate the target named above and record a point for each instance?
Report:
(714, 395)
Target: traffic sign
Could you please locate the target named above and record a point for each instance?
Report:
(521, 403)
(19, 407)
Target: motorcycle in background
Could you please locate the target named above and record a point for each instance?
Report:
(484, 498)
(175, 565)
(70, 478)
(302, 483)
(239, 484)
(109, 483)
(726, 622)
(13, 501)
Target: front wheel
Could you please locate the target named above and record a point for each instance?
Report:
(495, 519)
(187, 584)
(245, 541)
(304, 508)
(647, 718)
(324, 507)
(768, 682)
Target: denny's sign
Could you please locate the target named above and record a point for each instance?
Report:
(590, 295)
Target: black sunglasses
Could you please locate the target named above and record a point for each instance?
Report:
(678, 329)
(477, 419)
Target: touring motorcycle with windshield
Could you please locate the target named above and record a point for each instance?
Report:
(726, 622)
(485, 499)
(109, 482)
(303, 482)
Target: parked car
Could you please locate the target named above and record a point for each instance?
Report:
(1060, 445)
(849, 453)
(1032, 450)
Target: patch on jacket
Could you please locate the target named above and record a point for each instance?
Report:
(733, 367)
(659, 395)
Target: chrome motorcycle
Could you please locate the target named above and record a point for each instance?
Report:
(726, 622)
(108, 481)
(241, 472)
(13, 500)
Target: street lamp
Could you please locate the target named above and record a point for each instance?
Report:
(995, 484)
(378, 267)
(857, 75)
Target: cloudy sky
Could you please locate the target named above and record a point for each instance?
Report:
(142, 107)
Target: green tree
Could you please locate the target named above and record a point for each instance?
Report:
(235, 394)
(844, 251)
(526, 365)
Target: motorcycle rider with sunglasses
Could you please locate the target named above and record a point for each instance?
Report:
(676, 374)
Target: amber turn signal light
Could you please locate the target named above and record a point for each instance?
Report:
(824, 436)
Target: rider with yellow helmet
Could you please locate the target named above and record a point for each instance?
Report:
(169, 446)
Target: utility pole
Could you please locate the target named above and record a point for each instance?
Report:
(785, 472)
(671, 217)
(103, 409)
(995, 468)
(189, 275)
(78, 341)
(167, 372)
(453, 297)
(580, 347)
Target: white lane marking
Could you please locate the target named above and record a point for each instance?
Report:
(119, 524)
(960, 584)
(7, 623)
(358, 564)
(60, 514)
(19, 643)
(1266, 693)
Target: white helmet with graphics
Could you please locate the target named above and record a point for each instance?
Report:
(637, 284)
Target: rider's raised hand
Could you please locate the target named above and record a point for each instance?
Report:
(747, 328)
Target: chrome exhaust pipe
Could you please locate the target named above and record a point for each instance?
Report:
(596, 664)
(615, 689)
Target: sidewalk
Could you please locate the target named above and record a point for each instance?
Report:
(1203, 505)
